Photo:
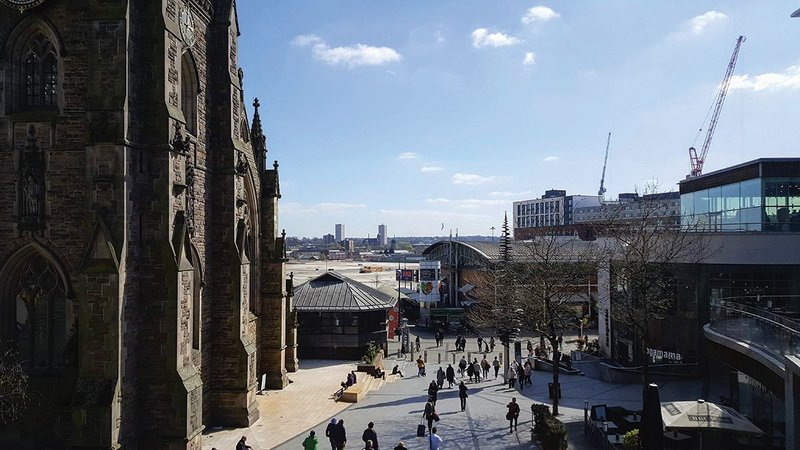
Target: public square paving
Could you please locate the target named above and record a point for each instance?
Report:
(396, 409)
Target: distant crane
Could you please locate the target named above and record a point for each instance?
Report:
(696, 160)
(605, 161)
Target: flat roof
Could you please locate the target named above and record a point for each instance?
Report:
(757, 168)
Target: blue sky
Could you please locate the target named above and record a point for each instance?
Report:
(420, 113)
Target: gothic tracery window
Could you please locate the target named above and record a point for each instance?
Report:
(41, 312)
(39, 73)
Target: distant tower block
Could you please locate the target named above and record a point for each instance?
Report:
(340, 232)
(382, 235)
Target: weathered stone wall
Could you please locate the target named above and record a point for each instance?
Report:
(141, 223)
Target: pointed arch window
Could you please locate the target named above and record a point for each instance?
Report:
(189, 91)
(39, 73)
(43, 316)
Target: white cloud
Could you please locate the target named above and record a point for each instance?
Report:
(788, 79)
(439, 37)
(474, 202)
(305, 40)
(539, 14)
(550, 159)
(471, 178)
(431, 169)
(437, 200)
(530, 59)
(350, 56)
(482, 38)
(407, 155)
(508, 193)
(696, 25)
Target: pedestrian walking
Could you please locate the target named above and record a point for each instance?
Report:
(476, 369)
(512, 415)
(329, 433)
(496, 365)
(370, 435)
(436, 440)
(511, 377)
(450, 374)
(458, 343)
(242, 444)
(340, 435)
(416, 342)
(480, 344)
(491, 344)
(433, 392)
(462, 366)
(430, 415)
(440, 377)
(310, 442)
(400, 446)
(470, 371)
(463, 343)
(420, 367)
(527, 370)
(462, 395)
(485, 367)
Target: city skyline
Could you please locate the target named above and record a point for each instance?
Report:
(455, 110)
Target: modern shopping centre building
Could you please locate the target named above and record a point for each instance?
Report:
(736, 319)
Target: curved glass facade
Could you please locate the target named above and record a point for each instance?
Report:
(759, 204)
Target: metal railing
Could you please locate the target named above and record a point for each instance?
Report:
(770, 323)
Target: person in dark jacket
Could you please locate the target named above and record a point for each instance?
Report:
(400, 446)
(340, 435)
(462, 394)
(429, 413)
(370, 435)
(512, 415)
(330, 433)
(242, 445)
(433, 391)
(450, 374)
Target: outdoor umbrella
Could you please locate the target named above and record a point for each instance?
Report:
(651, 430)
(704, 416)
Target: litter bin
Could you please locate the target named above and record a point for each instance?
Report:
(552, 389)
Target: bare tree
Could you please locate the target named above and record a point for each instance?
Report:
(540, 285)
(15, 394)
(649, 252)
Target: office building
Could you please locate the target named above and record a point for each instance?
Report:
(340, 236)
(383, 237)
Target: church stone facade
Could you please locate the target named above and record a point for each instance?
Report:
(142, 278)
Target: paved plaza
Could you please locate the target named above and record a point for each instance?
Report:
(396, 409)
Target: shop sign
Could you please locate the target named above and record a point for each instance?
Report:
(664, 356)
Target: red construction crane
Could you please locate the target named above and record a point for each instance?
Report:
(698, 160)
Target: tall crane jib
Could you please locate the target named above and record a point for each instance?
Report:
(602, 189)
(697, 160)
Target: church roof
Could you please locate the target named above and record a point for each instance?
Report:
(335, 292)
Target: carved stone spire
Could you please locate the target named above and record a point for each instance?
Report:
(258, 139)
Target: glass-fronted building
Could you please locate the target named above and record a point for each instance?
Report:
(760, 195)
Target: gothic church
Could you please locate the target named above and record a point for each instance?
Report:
(142, 279)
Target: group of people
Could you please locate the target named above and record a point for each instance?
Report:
(523, 373)
(438, 336)
(488, 344)
(337, 435)
(351, 379)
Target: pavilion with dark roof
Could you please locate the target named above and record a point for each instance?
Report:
(338, 317)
